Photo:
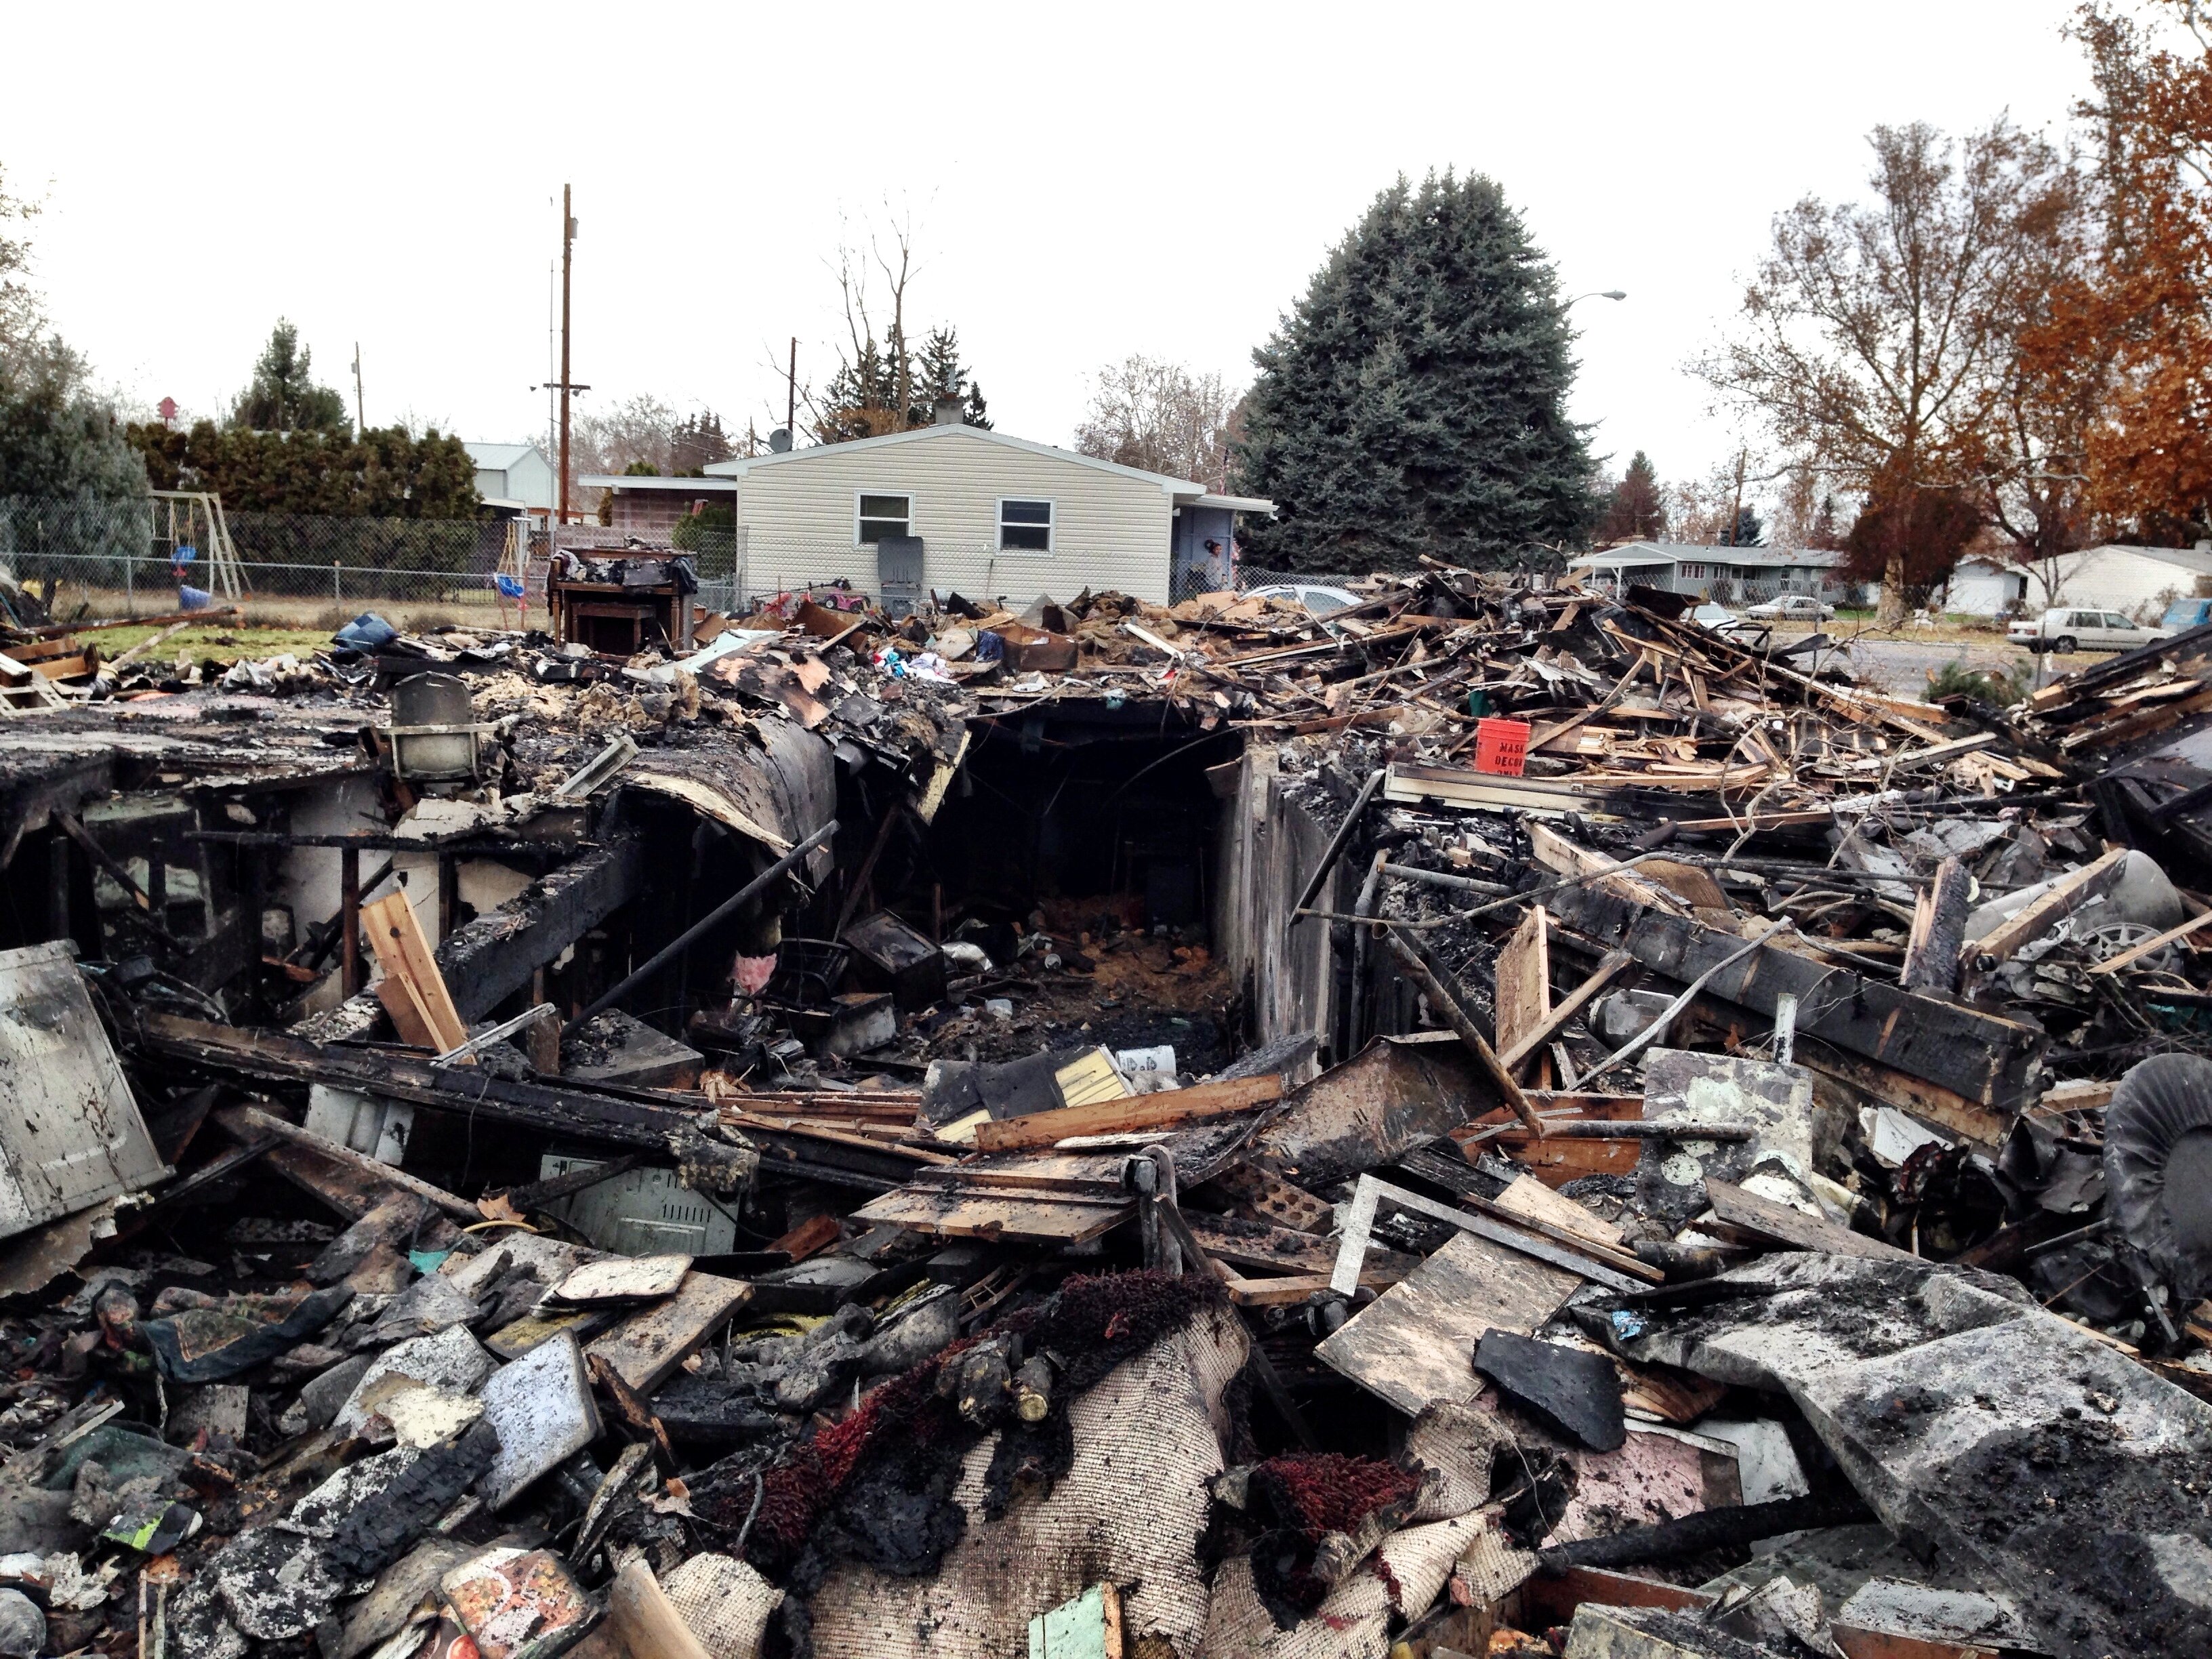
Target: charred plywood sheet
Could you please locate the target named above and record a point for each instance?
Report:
(1394, 1095)
(1414, 1345)
(71, 1135)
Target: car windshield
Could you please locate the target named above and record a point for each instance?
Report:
(1713, 616)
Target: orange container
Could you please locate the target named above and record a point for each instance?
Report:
(1501, 746)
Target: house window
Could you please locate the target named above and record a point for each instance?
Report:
(1693, 571)
(882, 515)
(1024, 526)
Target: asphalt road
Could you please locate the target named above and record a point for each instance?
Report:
(1902, 666)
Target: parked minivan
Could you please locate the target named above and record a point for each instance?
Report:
(2070, 629)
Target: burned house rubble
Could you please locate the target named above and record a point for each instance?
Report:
(1494, 1121)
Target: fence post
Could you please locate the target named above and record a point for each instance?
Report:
(130, 585)
(336, 596)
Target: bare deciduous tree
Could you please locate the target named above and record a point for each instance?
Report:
(1876, 337)
(1159, 416)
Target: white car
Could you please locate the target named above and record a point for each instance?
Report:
(2071, 629)
(1317, 597)
(1720, 619)
(1791, 607)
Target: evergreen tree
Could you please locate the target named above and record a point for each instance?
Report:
(938, 372)
(1635, 512)
(694, 442)
(1413, 402)
(1748, 531)
(57, 437)
(283, 395)
(1825, 535)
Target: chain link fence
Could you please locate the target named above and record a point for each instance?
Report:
(112, 558)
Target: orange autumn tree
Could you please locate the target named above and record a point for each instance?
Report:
(2135, 329)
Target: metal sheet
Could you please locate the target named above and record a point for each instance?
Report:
(70, 1134)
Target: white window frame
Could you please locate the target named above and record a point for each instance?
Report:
(906, 495)
(1051, 526)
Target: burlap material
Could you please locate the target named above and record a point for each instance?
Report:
(1128, 1513)
(1455, 1442)
(723, 1602)
(1354, 1622)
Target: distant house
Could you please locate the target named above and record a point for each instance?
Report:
(1981, 587)
(1732, 575)
(957, 508)
(2139, 580)
(514, 477)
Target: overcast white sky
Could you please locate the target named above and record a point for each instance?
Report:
(1087, 181)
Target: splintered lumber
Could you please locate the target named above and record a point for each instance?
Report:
(1609, 969)
(1163, 1109)
(1938, 931)
(1455, 1015)
(412, 990)
(1524, 981)
(2134, 954)
(2072, 891)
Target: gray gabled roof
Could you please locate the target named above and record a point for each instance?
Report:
(1189, 491)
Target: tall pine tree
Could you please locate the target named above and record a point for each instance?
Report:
(1635, 512)
(1414, 402)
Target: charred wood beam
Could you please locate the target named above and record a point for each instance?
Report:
(1981, 1058)
(551, 1109)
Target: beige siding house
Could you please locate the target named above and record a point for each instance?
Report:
(996, 517)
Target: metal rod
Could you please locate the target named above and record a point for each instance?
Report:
(684, 940)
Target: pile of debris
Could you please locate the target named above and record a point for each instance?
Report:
(1494, 1121)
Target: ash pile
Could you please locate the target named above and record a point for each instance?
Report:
(1494, 1121)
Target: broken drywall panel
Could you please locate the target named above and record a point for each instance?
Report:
(70, 1134)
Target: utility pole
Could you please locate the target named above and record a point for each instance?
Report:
(790, 395)
(360, 422)
(568, 262)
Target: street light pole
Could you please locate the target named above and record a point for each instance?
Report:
(1597, 294)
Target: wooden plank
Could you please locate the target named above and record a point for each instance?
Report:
(645, 1348)
(1531, 1200)
(995, 1216)
(1778, 1222)
(1297, 1288)
(2135, 953)
(1563, 857)
(412, 990)
(1414, 1345)
(1556, 1018)
(1280, 1250)
(2072, 891)
(1524, 982)
(1154, 1111)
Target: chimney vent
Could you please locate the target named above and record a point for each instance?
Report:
(947, 409)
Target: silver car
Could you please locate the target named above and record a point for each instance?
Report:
(1791, 607)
